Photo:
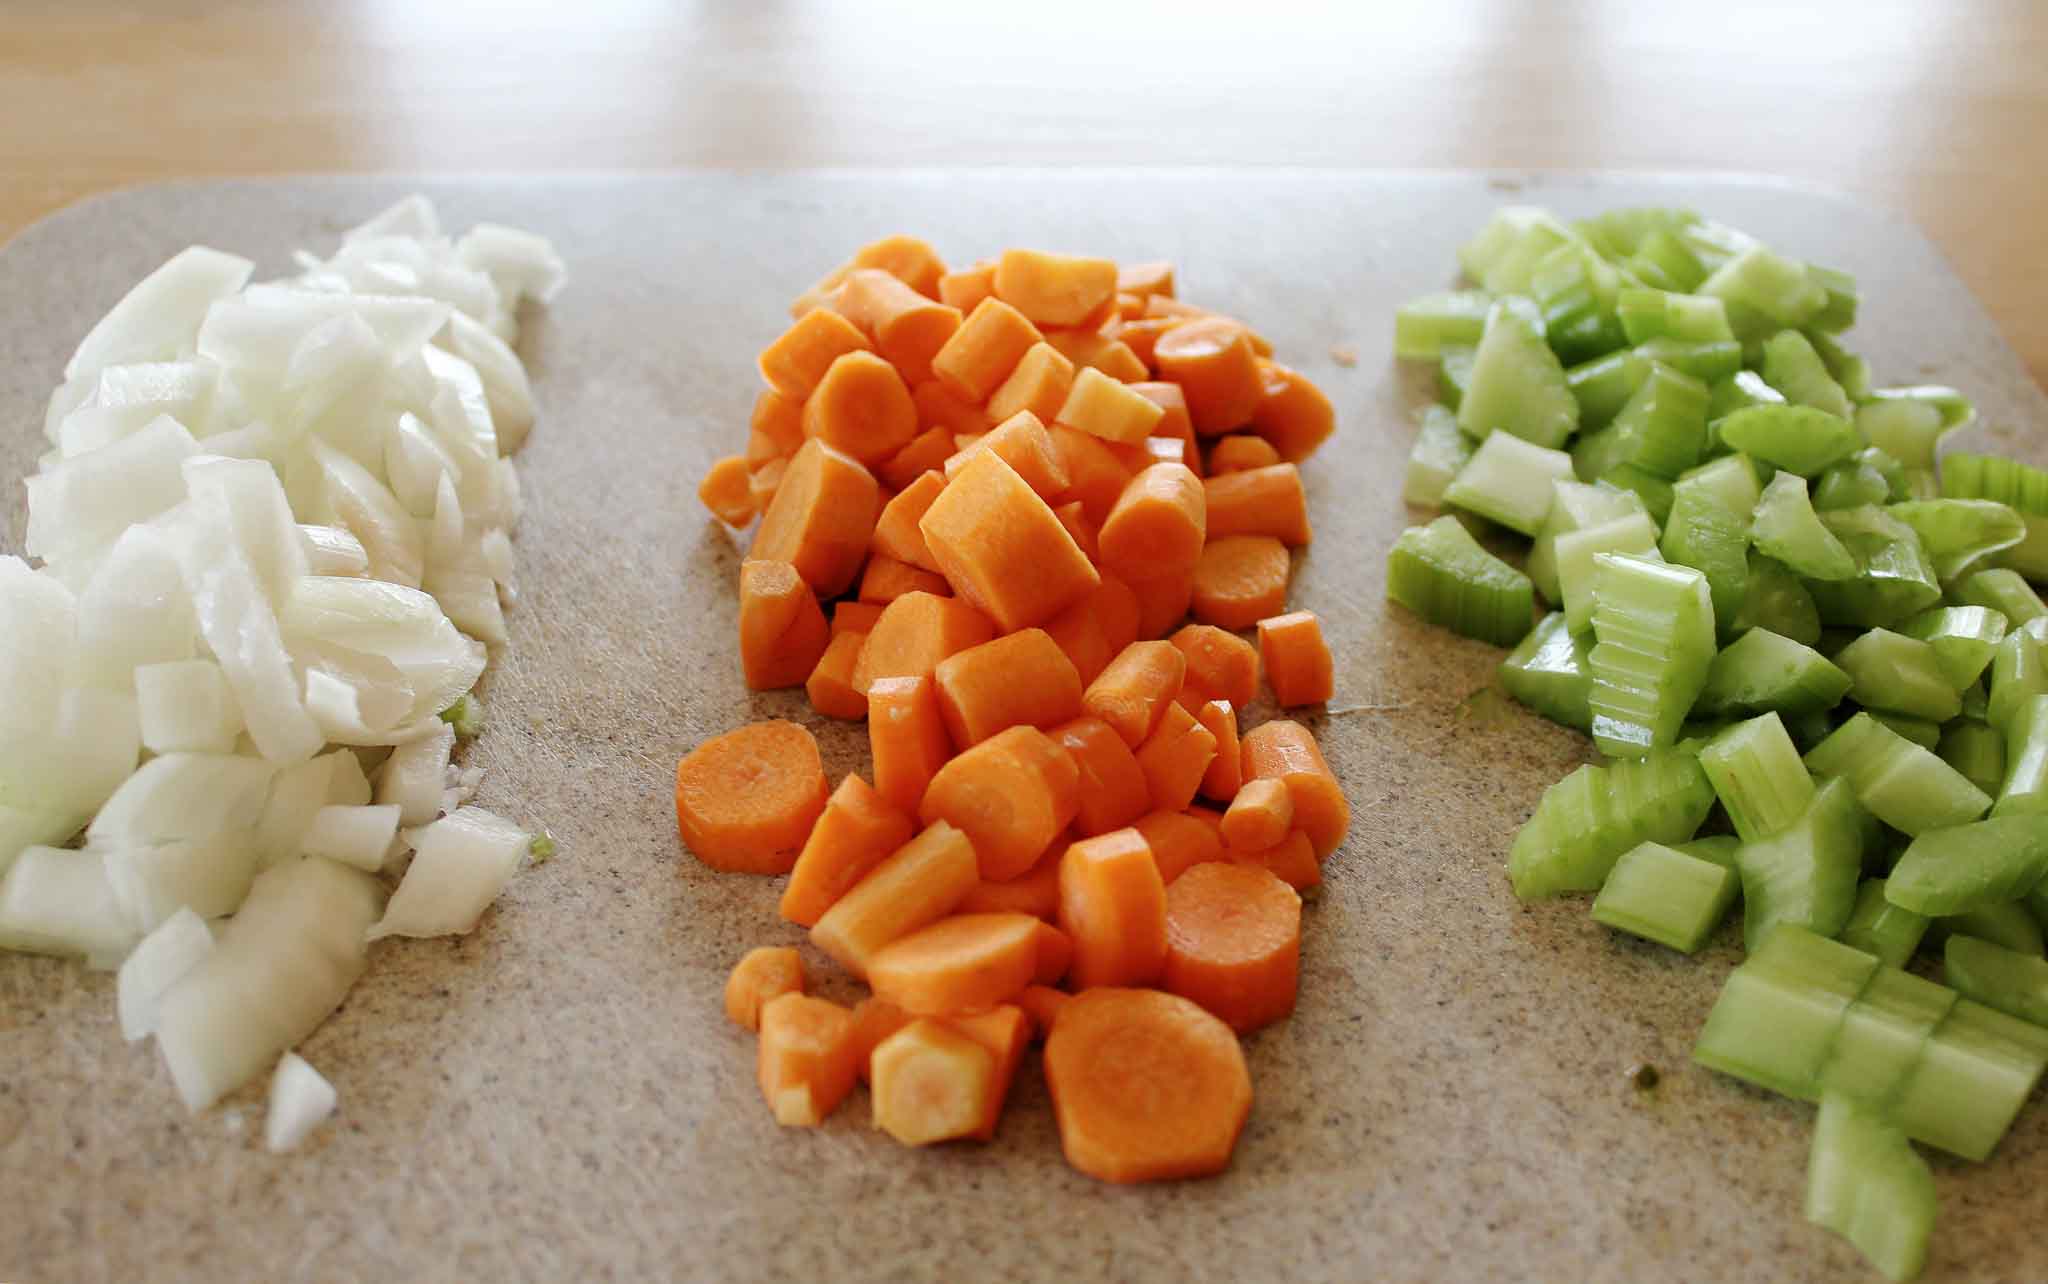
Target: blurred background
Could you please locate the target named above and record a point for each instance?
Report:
(1934, 109)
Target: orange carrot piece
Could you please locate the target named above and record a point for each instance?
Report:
(1173, 419)
(914, 633)
(1101, 407)
(821, 519)
(1078, 633)
(1283, 750)
(1240, 451)
(1166, 305)
(1039, 384)
(1211, 818)
(887, 579)
(1022, 442)
(746, 800)
(796, 361)
(863, 407)
(1075, 518)
(1153, 277)
(1140, 335)
(782, 630)
(965, 963)
(1225, 775)
(1179, 840)
(764, 481)
(776, 429)
(830, 686)
(908, 328)
(1001, 547)
(1146, 1086)
(1292, 860)
(1221, 665)
(1212, 360)
(1157, 525)
(906, 258)
(1054, 289)
(1012, 795)
(1119, 611)
(1293, 413)
(762, 974)
(984, 350)
(1055, 954)
(968, 286)
(1175, 758)
(873, 1021)
(932, 1083)
(1129, 306)
(896, 534)
(1113, 906)
(1022, 679)
(1233, 943)
(927, 452)
(918, 884)
(855, 617)
(1092, 350)
(806, 1058)
(1042, 1004)
(727, 491)
(857, 831)
(1259, 501)
(1133, 693)
(1163, 602)
(1166, 450)
(1297, 660)
(1036, 892)
(1113, 789)
(1240, 580)
(1096, 477)
(938, 407)
(1006, 1033)
(906, 738)
(1259, 817)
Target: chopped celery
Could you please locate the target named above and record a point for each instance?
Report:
(1909, 423)
(1969, 867)
(1508, 480)
(1654, 491)
(1517, 385)
(1779, 601)
(1809, 729)
(1719, 849)
(1503, 256)
(1707, 361)
(1973, 1076)
(1576, 290)
(1653, 626)
(1619, 233)
(1850, 484)
(1977, 701)
(1865, 1182)
(1454, 372)
(1665, 896)
(1714, 243)
(1665, 261)
(1602, 386)
(1805, 874)
(1964, 639)
(1757, 775)
(2008, 923)
(1587, 820)
(1844, 367)
(1661, 429)
(1894, 673)
(1961, 535)
(1763, 671)
(1798, 438)
(1781, 1010)
(1440, 450)
(1573, 506)
(1731, 480)
(1795, 369)
(1977, 750)
(2006, 980)
(2019, 672)
(2024, 790)
(1897, 781)
(1655, 314)
(1893, 579)
(1765, 292)
(1702, 533)
(1575, 550)
(1882, 1034)
(1785, 527)
(1440, 572)
(2009, 482)
(1840, 311)
(1876, 926)
(2004, 591)
(1920, 731)
(1547, 672)
(1740, 391)
(1423, 326)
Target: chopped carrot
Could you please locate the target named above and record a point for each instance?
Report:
(821, 519)
(1212, 360)
(926, 453)
(806, 1059)
(1113, 790)
(1022, 442)
(1293, 413)
(1093, 350)
(1156, 527)
(965, 963)
(1118, 611)
(1165, 305)
(1042, 1004)
(1167, 450)
(914, 633)
(962, 443)
(984, 350)
(1113, 905)
(794, 363)
(1133, 693)
(855, 617)
(863, 407)
(727, 491)
(1296, 658)
(1259, 501)
(906, 737)
(1095, 475)
(1141, 279)
(1077, 631)
(1233, 943)
(906, 258)
(1039, 384)
(1163, 602)
(1292, 860)
(830, 686)
(1221, 665)
(908, 328)
(1179, 841)
(1021, 679)
(1240, 580)
(776, 428)
(919, 883)
(1259, 816)
(1055, 954)
(764, 481)
(1006, 1033)
(1129, 305)
(1286, 751)
(1225, 775)
(938, 407)
(896, 533)
(968, 286)
(1012, 795)
(1054, 289)
(1146, 1086)
(1173, 419)
(1240, 451)
(873, 1021)
(857, 831)
(1101, 407)
(1035, 892)
(1175, 758)
(746, 800)
(1002, 548)
(1140, 335)
(782, 630)
(887, 579)
(931, 1083)
(759, 976)
(1075, 518)
(1213, 820)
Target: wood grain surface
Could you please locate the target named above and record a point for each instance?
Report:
(1934, 109)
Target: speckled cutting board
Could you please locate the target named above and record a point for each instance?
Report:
(557, 1096)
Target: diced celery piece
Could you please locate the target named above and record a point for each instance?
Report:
(1762, 671)
(1785, 527)
(1575, 550)
(1882, 1035)
(1442, 574)
(1840, 312)
(1865, 1182)
(1897, 781)
(1977, 750)
(1740, 391)
(2008, 923)
(1799, 439)
(1653, 629)
(1844, 367)
(1454, 372)
(1909, 423)
(1423, 326)
(1757, 775)
(2004, 591)
(1795, 369)
(1921, 731)
(1573, 506)
(1765, 292)
(1731, 480)
(1961, 535)
(1969, 867)
(1876, 926)
(1517, 385)
(1852, 483)
(1504, 255)
(1893, 673)
(1702, 533)
(1977, 701)
(1665, 896)
(1618, 233)
(1973, 1076)
(1898, 483)
(1714, 242)
(1805, 874)
(1654, 491)
(1440, 450)
(1780, 1012)
(1893, 578)
(1707, 361)
(1657, 314)
(1576, 290)
(1661, 429)
(2019, 672)
(1779, 601)
(1663, 260)
(2009, 482)
(1508, 480)
(1587, 820)
(1809, 729)
(1602, 386)
(1964, 639)
(1547, 672)
(2002, 979)
(1718, 850)
(2024, 790)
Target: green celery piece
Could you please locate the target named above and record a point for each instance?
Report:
(1762, 672)
(1843, 366)
(1840, 312)
(1765, 292)
(2005, 980)
(1602, 386)
(1454, 373)
(1440, 450)
(1805, 874)
(1779, 601)
(1633, 533)
(1547, 672)
(1508, 480)
(1921, 731)
(1655, 492)
(1757, 775)
(1423, 326)
(2019, 672)
(1876, 926)
(1893, 578)
(1504, 255)
(1442, 574)
(1619, 233)
(1586, 821)
(1573, 506)
(1852, 483)
(1893, 673)
(1969, 867)
(2008, 923)
(1799, 439)
(1961, 535)
(2024, 790)
(1648, 314)
(1882, 1035)
(1718, 849)
(1866, 1183)
(1663, 260)
(1702, 533)
(2004, 591)
(1576, 291)
(2025, 489)
(1785, 527)
(1809, 729)
(1740, 391)
(1665, 896)
(1714, 242)
(1897, 781)
(2036, 904)
(1661, 429)
(1897, 478)
(1909, 423)
(1653, 629)
(1964, 639)
(1795, 369)
(1707, 361)
(1977, 750)
(1973, 1076)
(1517, 385)
(1731, 480)
(1780, 1012)
(1977, 701)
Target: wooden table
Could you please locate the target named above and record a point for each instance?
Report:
(1937, 109)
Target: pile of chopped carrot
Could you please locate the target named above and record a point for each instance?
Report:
(1013, 484)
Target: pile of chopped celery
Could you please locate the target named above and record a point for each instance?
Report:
(1770, 604)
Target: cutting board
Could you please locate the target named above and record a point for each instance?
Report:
(557, 1096)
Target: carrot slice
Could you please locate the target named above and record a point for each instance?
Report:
(1113, 906)
(1233, 943)
(1240, 580)
(1055, 954)
(746, 800)
(728, 492)
(1101, 407)
(1042, 1004)
(1292, 413)
(806, 1059)
(1141, 279)
(896, 533)
(984, 350)
(1133, 693)
(1077, 631)
(1022, 679)
(1140, 335)
(968, 286)
(1036, 892)
(1054, 289)
(1001, 547)
(1226, 770)
(1179, 841)
(830, 685)
(919, 883)
(873, 1021)
(1212, 819)
(821, 519)
(1283, 750)
(1175, 758)
(1118, 611)
(887, 579)
(1146, 1086)
(1075, 518)
(1012, 794)
(1039, 384)
(855, 617)
(858, 830)
(1113, 790)
(906, 737)
(1163, 602)
(1023, 443)
(908, 328)
(1156, 528)
(1292, 860)
(782, 630)
(863, 407)
(762, 974)
(965, 963)
(926, 453)
(1096, 476)
(1212, 360)
(1006, 1033)
(1221, 665)
(914, 633)
(1092, 350)
(1259, 501)
(1297, 660)
(931, 1083)
(764, 482)
(776, 428)
(906, 258)
(1240, 451)
(1173, 419)
(1259, 816)
(796, 361)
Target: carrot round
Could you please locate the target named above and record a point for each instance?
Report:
(1118, 611)
(1180, 840)
(906, 738)
(1154, 276)
(930, 1083)
(1132, 694)
(919, 883)
(896, 533)
(782, 630)
(1297, 660)
(1093, 350)
(746, 800)
(1240, 451)
(830, 685)
(858, 830)
(1042, 1004)
(1140, 335)
(1292, 860)
(873, 1021)
(1077, 631)
(887, 579)
(915, 632)
(1039, 384)
(821, 519)
(1259, 816)
(1221, 665)
(1012, 795)
(806, 1059)
(727, 491)
(1035, 892)
(984, 350)
(1100, 406)
(1163, 601)
(1146, 1086)
(1001, 547)
(862, 407)
(1022, 679)
(926, 453)
(1113, 906)
(965, 963)
(908, 327)
(1285, 751)
(1240, 580)
(1259, 501)
(1175, 758)
(1213, 361)
(1113, 791)
(1225, 775)
(965, 288)
(1022, 442)
(1292, 414)
(796, 361)
(759, 976)
(1096, 477)
(1233, 943)
(1157, 525)
(776, 429)
(1054, 289)
(855, 617)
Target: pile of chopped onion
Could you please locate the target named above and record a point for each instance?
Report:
(274, 532)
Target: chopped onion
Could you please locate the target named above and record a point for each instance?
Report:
(77, 509)
(208, 876)
(157, 318)
(504, 378)
(416, 464)
(367, 508)
(357, 697)
(348, 785)
(127, 399)
(401, 624)
(525, 266)
(412, 777)
(185, 706)
(300, 1101)
(358, 836)
(167, 953)
(134, 611)
(332, 550)
(183, 795)
(459, 865)
(296, 795)
(58, 901)
(258, 514)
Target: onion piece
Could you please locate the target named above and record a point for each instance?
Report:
(185, 706)
(460, 863)
(127, 399)
(85, 754)
(22, 828)
(156, 319)
(154, 965)
(412, 777)
(373, 514)
(412, 217)
(296, 795)
(401, 624)
(358, 836)
(505, 385)
(301, 1099)
(134, 611)
(80, 507)
(183, 796)
(333, 550)
(357, 697)
(259, 516)
(37, 618)
(416, 463)
(208, 876)
(329, 361)
(524, 264)
(57, 901)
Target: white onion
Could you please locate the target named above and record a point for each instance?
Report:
(167, 953)
(127, 399)
(402, 624)
(301, 1099)
(412, 217)
(36, 619)
(459, 865)
(412, 777)
(358, 836)
(524, 265)
(22, 828)
(185, 705)
(348, 785)
(183, 795)
(330, 360)
(373, 514)
(357, 697)
(416, 463)
(134, 611)
(77, 509)
(504, 380)
(259, 516)
(57, 901)
(297, 793)
(82, 757)
(208, 876)
(331, 550)
(157, 318)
